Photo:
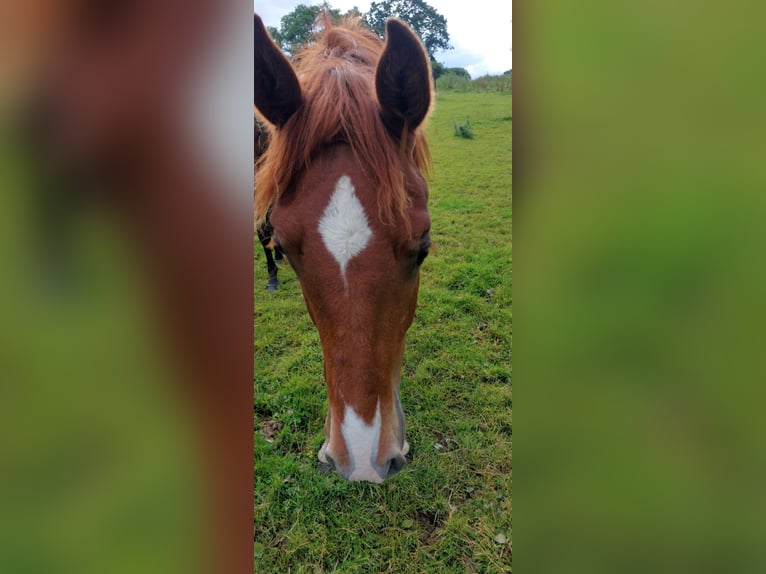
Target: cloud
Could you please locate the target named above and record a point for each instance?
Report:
(271, 11)
(463, 58)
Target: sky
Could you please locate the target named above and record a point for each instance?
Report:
(479, 30)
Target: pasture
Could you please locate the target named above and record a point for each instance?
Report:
(450, 509)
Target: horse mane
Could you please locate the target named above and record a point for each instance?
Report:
(337, 77)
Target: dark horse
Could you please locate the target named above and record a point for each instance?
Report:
(266, 231)
(342, 179)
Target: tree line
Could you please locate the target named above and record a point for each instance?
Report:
(299, 26)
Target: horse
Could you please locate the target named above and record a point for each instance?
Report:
(344, 183)
(265, 231)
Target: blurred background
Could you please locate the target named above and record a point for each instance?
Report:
(639, 288)
(125, 286)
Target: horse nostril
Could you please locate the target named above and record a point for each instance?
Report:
(395, 465)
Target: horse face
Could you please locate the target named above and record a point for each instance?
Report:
(357, 263)
(359, 279)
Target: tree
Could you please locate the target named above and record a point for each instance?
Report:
(299, 26)
(460, 72)
(422, 18)
(437, 69)
(275, 34)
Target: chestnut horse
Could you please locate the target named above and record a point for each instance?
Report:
(343, 177)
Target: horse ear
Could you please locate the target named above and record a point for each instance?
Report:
(403, 79)
(277, 93)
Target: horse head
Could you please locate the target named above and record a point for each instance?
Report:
(343, 177)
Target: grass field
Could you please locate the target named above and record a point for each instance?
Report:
(450, 509)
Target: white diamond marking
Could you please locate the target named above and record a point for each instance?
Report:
(343, 225)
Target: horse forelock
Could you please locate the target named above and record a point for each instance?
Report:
(337, 77)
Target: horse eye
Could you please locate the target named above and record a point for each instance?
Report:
(423, 253)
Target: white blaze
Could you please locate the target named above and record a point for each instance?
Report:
(362, 444)
(343, 225)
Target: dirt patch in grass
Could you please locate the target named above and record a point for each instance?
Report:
(430, 523)
(445, 442)
(270, 428)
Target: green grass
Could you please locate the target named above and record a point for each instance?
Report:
(446, 511)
